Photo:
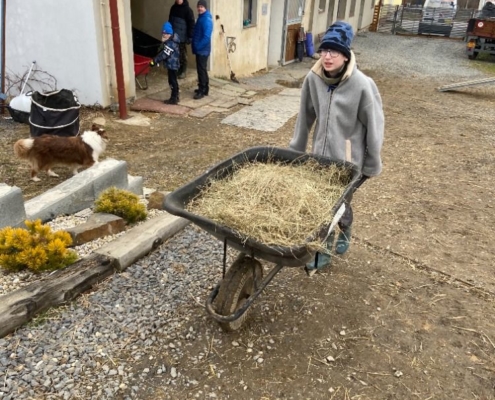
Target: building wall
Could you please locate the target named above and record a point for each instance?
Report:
(72, 45)
(275, 46)
(251, 52)
(320, 18)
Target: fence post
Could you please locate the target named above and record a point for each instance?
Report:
(395, 19)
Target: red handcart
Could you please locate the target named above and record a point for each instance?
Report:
(141, 67)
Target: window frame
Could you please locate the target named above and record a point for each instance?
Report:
(252, 9)
(320, 9)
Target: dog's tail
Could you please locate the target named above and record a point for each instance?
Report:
(22, 147)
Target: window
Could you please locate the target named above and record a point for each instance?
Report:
(322, 6)
(353, 8)
(250, 13)
(341, 10)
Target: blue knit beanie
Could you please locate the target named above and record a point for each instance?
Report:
(167, 28)
(338, 37)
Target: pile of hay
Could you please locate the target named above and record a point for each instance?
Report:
(274, 203)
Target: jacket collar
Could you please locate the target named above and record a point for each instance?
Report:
(351, 65)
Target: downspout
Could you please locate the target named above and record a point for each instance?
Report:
(117, 52)
(4, 22)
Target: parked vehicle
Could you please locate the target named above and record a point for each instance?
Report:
(437, 17)
(480, 33)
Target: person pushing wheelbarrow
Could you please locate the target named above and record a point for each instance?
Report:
(347, 108)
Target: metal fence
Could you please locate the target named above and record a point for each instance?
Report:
(416, 20)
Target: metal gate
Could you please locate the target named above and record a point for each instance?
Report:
(293, 19)
(416, 20)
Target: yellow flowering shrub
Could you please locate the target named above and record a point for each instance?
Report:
(122, 203)
(36, 248)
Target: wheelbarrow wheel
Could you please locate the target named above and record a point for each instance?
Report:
(238, 284)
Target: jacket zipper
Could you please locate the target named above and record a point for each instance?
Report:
(326, 123)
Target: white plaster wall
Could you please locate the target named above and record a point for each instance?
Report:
(275, 46)
(251, 53)
(66, 40)
(320, 20)
(367, 15)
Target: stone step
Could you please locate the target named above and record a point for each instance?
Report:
(97, 226)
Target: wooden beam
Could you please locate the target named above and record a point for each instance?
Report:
(20, 306)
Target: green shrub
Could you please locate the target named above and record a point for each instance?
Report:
(121, 203)
(36, 248)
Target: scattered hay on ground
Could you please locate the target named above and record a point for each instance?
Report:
(274, 203)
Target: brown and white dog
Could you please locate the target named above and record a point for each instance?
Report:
(45, 151)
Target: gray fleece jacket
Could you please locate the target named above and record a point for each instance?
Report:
(349, 119)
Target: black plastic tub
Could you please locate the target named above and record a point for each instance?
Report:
(19, 116)
(176, 203)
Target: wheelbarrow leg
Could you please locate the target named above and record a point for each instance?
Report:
(145, 82)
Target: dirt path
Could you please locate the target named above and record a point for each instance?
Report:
(372, 328)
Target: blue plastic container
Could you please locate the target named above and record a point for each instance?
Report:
(310, 49)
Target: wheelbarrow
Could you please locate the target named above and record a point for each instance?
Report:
(141, 67)
(243, 282)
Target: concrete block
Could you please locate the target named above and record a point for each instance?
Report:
(78, 192)
(97, 226)
(142, 239)
(225, 103)
(194, 104)
(245, 102)
(206, 110)
(135, 184)
(234, 88)
(12, 212)
(249, 93)
(291, 92)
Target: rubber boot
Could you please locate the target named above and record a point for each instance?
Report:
(343, 240)
(182, 72)
(205, 92)
(174, 99)
(324, 259)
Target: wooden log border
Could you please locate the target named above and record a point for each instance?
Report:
(21, 305)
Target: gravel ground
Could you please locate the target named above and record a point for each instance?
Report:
(415, 57)
(73, 352)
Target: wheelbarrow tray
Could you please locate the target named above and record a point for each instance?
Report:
(177, 201)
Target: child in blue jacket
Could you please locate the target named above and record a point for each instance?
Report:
(170, 57)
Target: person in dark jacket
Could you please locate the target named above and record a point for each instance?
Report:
(201, 48)
(182, 19)
(169, 55)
